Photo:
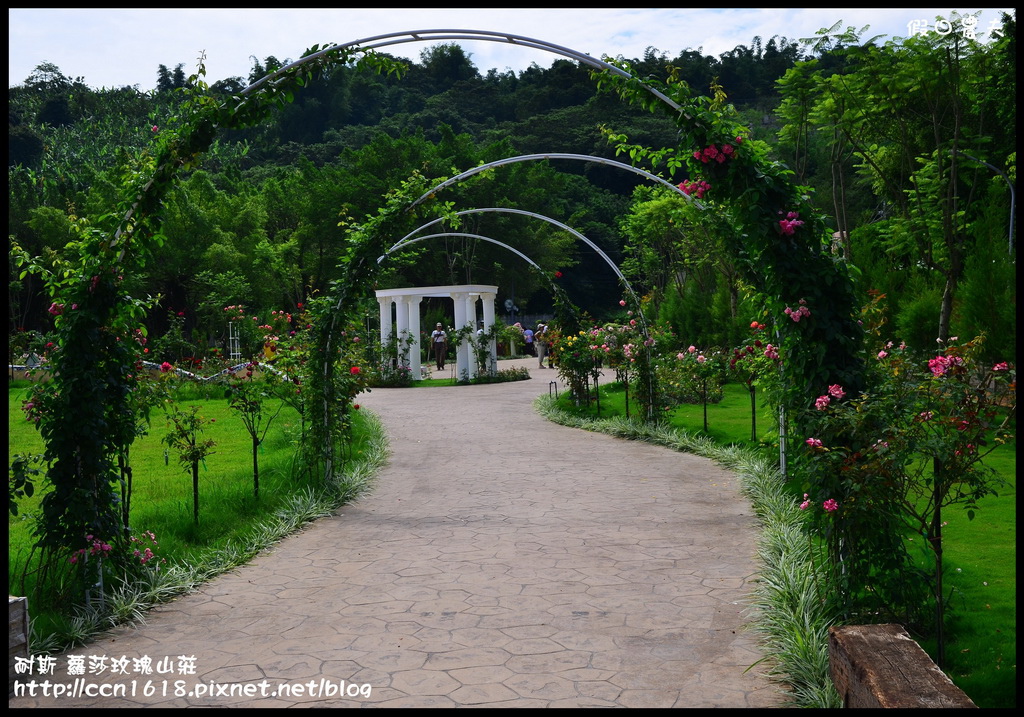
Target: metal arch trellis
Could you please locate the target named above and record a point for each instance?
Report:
(398, 38)
(557, 155)
(378, 41)
(406, 242)
(553, 155)
(534, 157)
(412, 240)
(214, 114)
(409, 238)
(580, 157)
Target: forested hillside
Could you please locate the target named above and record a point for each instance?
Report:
(908, 147)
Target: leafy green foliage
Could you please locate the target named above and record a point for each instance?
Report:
(892, 459)
(902, 119)
(185, 437)
(250, 398)
(21, 482)
(776, 234)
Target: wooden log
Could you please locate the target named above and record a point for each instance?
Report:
(876, 666)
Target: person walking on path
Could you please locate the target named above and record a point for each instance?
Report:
(541, 342)
(528, 338)
(439, 342)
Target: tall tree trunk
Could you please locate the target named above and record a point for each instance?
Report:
(839, 193)
(255, 467)
(126, 491)
(946, 307)
(753, 412)
(938, 478)
(195, 492)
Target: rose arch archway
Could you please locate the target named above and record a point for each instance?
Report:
(83, 447)
(348, 293)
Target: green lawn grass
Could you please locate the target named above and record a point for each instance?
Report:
(980, 562)
(979, 559)
(162, 495)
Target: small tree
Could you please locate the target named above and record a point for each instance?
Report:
(481, 343)
(907, 450)
(248, 396)
(391, 363)
(620, 345)
(185, 437)
(755, 362)
(693, 376)
(579, 364)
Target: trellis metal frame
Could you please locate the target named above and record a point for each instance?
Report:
(398, 38)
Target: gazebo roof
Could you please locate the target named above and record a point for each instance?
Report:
(438, 290)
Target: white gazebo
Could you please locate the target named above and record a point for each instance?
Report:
(407, 322)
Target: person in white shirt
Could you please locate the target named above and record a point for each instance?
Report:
(541, 342)
(439, 344)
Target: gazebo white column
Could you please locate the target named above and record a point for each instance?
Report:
(488, 301)
(402, 327)
(385, 319)
(463, 365)
(471, 300)
(414, 335)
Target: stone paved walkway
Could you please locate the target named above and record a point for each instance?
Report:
(499, 561)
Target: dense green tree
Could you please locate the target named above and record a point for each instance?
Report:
(906, 117)
(167, 80)
(675, 255)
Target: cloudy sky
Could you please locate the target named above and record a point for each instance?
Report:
(115, 48)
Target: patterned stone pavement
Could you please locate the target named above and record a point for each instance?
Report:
(499, 561)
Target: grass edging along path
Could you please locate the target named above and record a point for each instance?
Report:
(980, 555)
(195, 557)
